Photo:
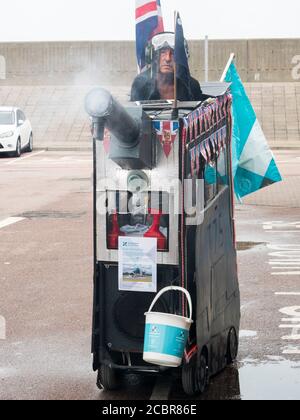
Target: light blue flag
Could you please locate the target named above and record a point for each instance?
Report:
(254, 166)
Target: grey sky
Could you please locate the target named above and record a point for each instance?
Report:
(50, 20)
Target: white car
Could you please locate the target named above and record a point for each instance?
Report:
(15, 132)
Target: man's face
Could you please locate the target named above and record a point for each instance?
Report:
(166, 61)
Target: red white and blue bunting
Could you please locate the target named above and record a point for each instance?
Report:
(206, 131)
(209, 149)
(208, 119)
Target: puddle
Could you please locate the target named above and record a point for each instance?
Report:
(246, 246)
(7, 373)
(273, 379)
(51, 215)
(248, 334)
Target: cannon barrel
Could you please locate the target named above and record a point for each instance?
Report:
(107, 112)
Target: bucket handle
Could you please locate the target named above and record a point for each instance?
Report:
(179, 289)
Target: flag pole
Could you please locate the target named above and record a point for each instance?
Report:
(232, 57)
(175, 108)
(206, 57)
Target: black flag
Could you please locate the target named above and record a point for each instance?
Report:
(181, 55)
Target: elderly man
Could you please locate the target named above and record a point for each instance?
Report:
(157, 82)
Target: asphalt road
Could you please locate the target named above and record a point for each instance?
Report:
(46, 287)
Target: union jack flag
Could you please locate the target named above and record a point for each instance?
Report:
(167, 134)
(149, 22)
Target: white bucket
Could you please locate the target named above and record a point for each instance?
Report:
(166, 335)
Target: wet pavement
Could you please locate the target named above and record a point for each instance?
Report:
(46, 289)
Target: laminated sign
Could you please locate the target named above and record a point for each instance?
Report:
(138, 264)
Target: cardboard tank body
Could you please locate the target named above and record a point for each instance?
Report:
(139, 152)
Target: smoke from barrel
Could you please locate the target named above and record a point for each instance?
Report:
(106, 111)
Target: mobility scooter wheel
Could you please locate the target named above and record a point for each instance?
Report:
(232, 346)
(108, 379)
(195, 377)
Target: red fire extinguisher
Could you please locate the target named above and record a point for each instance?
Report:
(154, 231)
(113, 236)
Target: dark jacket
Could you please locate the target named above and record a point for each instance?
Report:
(144, 88)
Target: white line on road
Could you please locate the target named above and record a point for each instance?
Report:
(57, 162)
(290, 320)
(2, 328)
(282, 231)
(291, 326)
(286, 264)
(10, 221)
(288, 273)
(291, 350)
(25, 157)
(287, 294)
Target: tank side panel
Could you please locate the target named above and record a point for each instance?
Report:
(218, 298)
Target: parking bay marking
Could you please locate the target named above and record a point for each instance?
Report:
(10, 221)
(12, 162)
(56, 162)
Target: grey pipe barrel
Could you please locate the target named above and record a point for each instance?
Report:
(106, 111)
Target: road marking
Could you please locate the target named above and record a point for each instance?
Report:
(25, 157)
(287, 261)
(162, 389)
(290, 320)
(2, 328)
(56, 162)
(49, 163)
(10, 221)
(284, 260)
(285, 265)
(286, 257)
(283, 231)
(291, 350)
(287, 273)
(293, 313)
(293, 337)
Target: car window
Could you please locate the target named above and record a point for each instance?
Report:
(20, 116)
(7, 118)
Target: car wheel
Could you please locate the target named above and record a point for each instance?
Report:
(29, 148)
(18, 150)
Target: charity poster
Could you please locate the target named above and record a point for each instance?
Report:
(138, 264)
